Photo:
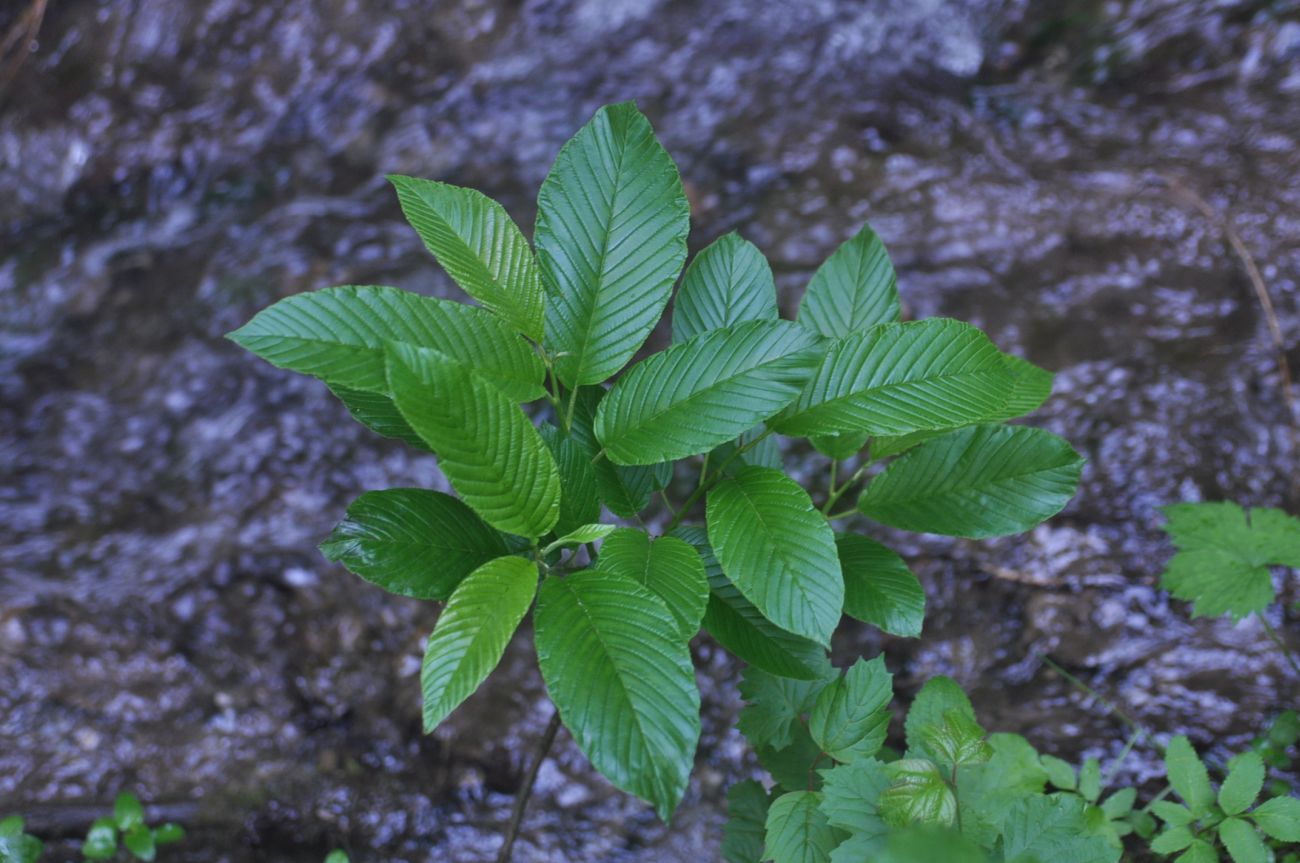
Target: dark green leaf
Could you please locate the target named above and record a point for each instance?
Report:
(127, 811)
(377, 412)
(625, 490)
(338, 335)
(775, 705)
(702, 393)
(794, 765)
(621, 678)
(168, 834)
(11, 825)
(742, 836)
(850, 796)
(579, 503)
(479, 246)
(851, 715)
(486, 446)
(728, 282)
(855, 288)
(899, 378)
(797, 830)
(473, 632)
(879, 588)
(612, 221)
(412, 542)
(777, 550)
(140, 842)
(668, 567)
(976, 482)
(839, 447)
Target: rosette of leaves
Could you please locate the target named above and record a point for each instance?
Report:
(549, 440)
(955, 793)
(127, 826)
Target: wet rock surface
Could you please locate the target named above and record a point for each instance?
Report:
(166, 624)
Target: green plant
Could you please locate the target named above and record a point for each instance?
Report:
(127, 824)
(766, 575)
(15, 845)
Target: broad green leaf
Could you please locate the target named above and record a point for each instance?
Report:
(1120, 803)
(127, 811)
(742, 835)
(1058, 827)
(486, 446)
(840, 446)
(1172, 840)
(479, 246)
(625, 490)
(19, 848)
(879, 588)
(338, 335)
(761, 449)
(986, 791)
(622, 680)
(853, 290)
(101, 840)
(775, 705)
(668, 567)
(917, 794)
(1224, 555)
(926, 844)
(168, 834)
(794, 765)
(579, 503)
(377, 412)
(140, 842)
(1090, 780)
(850, 795)
(977, 482)
(11, 825)
(1244, 781)
(1060, 773)
(612, 220)
(1242, 842)
(899, 378)
(777, 550)
(958, 740)
(851, 715)
(737, 625)
(1188, 775)
(1279, 817)
(1199, 851)
(1173, 813)
(412, 542)
(1031, 387)
(581, 535)
(701, 393)
(797, 830)
(472, 633)
(937, 698)
(728, 282)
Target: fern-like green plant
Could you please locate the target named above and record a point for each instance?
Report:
(555, 449)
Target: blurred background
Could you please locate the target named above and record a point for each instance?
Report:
(1067, 175)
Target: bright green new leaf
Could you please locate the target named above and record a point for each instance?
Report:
(1173, 813)
(337, 856)
(19, 848)
(742, 835)
(1090, 780)
(1242, 841)
(957, 740)
(101, 840)
(168, 834)
(1172, 840)
(1224, 555)
(140, 842)
(737, 625)
(579, 501)
(486, 446)
(127, 811)
(612, 221)
(1279, 817)
(851, 715)
(728, 282)
(878, 587)
(1188, 775)
(701, 393)
(1060, 773)
(775, 705)
(1243, 783)
(581, 535)
(479, 246)
(987, 791)
(937, 699)
(621, 677)
(668, 567)
(412, 542)
(925, 844)
(797, 830)
(1058, 827)
(777, 550)
(899, 378)
(338, 335)
(977, 482)
(917, 794)
(1199, 851)
(472, 633)
(1120, 803)
(626, 490)
(853, 290)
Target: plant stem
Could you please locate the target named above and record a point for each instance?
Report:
(837, 493)
(573, 403)
(1276, 638)
(526, 790)
(705, 485)
(844, 513)
(1111, 708)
